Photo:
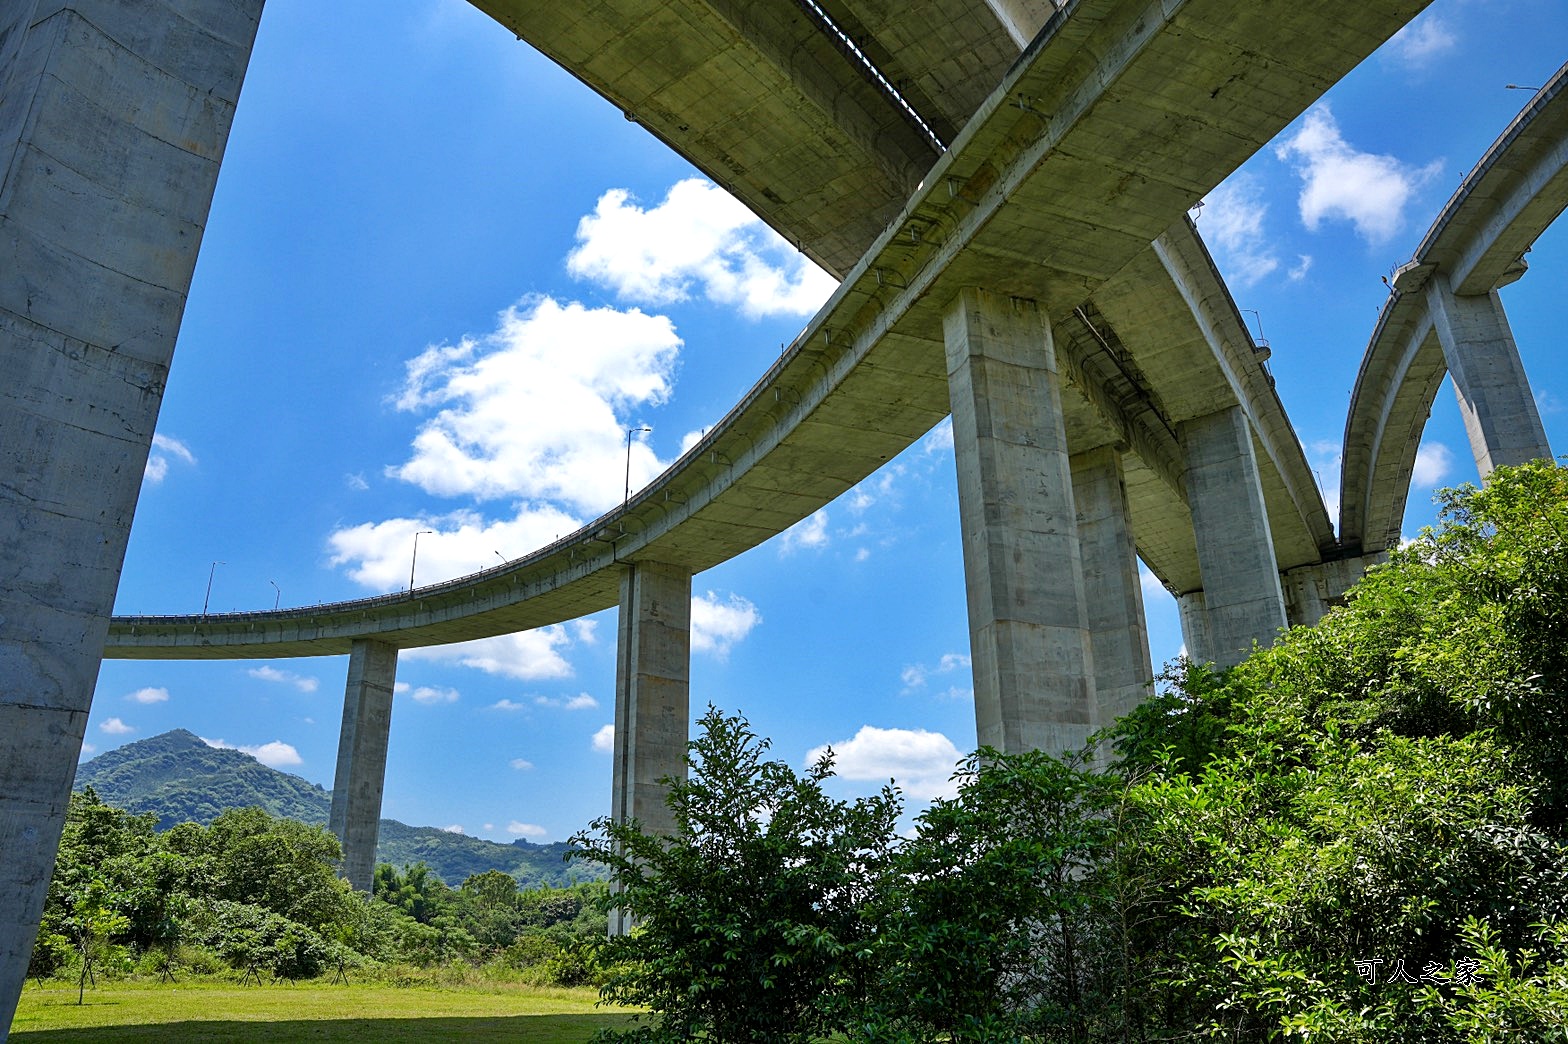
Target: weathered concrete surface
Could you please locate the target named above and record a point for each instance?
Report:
(1028, 627)
(1501, 418)
(652, 697)
(102, 205)
(1194, 616)
(1241, 589)
(362, 758)
(1113, 594)
(1477, 244)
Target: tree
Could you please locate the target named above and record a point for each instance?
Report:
(751, 916)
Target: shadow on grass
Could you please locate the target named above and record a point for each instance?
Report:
(537, 1029)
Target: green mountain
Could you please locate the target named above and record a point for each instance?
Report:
(180, 778)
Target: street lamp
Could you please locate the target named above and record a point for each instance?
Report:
(415, 559)
(278, 589)
(208, 599)
(629, 433)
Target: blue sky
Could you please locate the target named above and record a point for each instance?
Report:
(441, 279)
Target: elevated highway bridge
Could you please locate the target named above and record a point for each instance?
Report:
(1002, 187)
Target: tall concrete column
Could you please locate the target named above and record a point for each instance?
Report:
(1501, 417)
(113, 119)
(652, 697)
(1028, 628)
(1241, 591)
(1194, 616)
(1113, 594)
(362, 758)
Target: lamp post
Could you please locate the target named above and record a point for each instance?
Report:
(205, 601)
(278, 589)
(629, 433)
(413, 561)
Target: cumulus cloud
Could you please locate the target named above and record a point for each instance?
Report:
(149, 695)
(1370, 191)
(529, 830)
(508, 705)
(379, 554)
(1421, 41)
(915, 675)
(527, 655)
(920, 762)
(276, 754)
(88, 748)
(1434, 462)
(430, 695)
(1232, 219)
(535, 410)
(164, 451)
(700, 241)
(582, 701)
(455, 828)
(272, 674)
(809, 532)
(604, 740)
(939, 439)
(116, 727)
(718, 623)
(521, 764)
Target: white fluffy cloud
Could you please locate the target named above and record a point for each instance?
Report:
(699, 241)
(809, 532)
(380, 554)
(533, 831)
(521, 764)
(916, 675)
(718, 623)
(527, 656)
(164, 450)
(430, 695)
(582, 701)
(920, 762)
(272, 674)
(1232, 219)
(1422, 40)
(1434, 462)
(535, 410)
(149, 695)
(276, 754)
(1370, 191)
(455, 828)
(604, 739)
(116, 727)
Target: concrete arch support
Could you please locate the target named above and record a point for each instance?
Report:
(652, 697)
(1028, 629)
(1499, 410)
(362, 758)
(1242, 598)
(1113, 595)
(111, 130)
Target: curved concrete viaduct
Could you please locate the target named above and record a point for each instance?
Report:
(1029, 270)
(1443, 316)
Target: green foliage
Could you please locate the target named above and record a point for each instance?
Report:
(751, 917)
(177, 778)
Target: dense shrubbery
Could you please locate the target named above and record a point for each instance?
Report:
(1356, 835)
(255, 894)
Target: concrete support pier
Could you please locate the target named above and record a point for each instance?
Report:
(362, 758)
(112, 126)
(1028, 628)
(1113, 595)
(652, 697)
(1195, 626)
(1242, 599)
(1499, 410)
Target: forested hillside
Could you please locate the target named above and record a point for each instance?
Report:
(180, 779)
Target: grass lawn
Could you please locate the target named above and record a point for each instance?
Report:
(362, 1014)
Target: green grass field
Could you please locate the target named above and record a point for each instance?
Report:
(362, 1014)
